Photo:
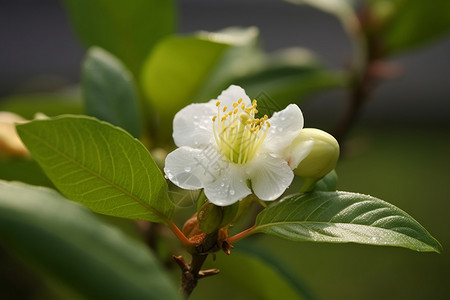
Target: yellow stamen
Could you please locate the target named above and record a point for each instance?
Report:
(239, 134)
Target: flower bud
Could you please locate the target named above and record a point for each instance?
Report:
(209, 217)
(323, 156)
(229, 212)
(212, 217)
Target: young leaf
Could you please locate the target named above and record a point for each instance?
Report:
(340, 217)
(63, 240)
(129, 31)
(109, 92)
(100, 166)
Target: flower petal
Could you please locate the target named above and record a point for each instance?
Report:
(191, 168)
(284, 127)
(193, 126)
(270, 176)
(231, 95)
(294, 154)
(229, 187)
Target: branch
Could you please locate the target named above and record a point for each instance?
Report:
(191, 273)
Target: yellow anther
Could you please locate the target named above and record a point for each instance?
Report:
(230, 113)
(256, 111)
(240, 100)
(268, 124)
(235, 104)
(225, 109)
(214, 118)
(224, 118)
(217, 103)
(265, 117)
(235, 111)
(254, 102)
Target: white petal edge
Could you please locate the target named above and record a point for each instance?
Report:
(232, 94)
(285, 125)
(191, 168)
(295, 154)
(229, 187)
(270, 176)
(193, 126)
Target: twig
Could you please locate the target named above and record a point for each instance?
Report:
(191, 273)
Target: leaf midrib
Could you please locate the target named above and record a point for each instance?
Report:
(259, 227)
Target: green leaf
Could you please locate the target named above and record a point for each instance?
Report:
(176, 70)
(289, 76)
(23, 169)
(406, 24)
(328, 183)
(196, 68)
(127, 30)
(340, 217)
(243, 56)
(272, 260)
(67, 243)
(100, 166)
(109, 92)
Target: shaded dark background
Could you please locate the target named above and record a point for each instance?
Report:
(401, 146)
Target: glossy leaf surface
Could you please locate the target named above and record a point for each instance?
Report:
(100, 166)
(340, 217)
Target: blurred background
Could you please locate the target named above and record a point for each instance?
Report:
(398, 151)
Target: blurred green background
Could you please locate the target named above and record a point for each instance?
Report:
(398, 151)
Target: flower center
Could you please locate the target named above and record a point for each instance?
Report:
(237, 132)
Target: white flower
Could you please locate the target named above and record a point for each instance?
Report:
(224, 149)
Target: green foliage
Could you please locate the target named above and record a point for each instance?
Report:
(49, 104)
(251, 277)
(25, 170)
(340, 217)
(107, 170)
(289, 76)
(196, 68)
(176, 69)
(127, 30)
(405, 24)
(328, 183)
(67, 243)
(108, 91)
(100, 166)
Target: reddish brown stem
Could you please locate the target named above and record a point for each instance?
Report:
(180, 235)
(239, 236)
